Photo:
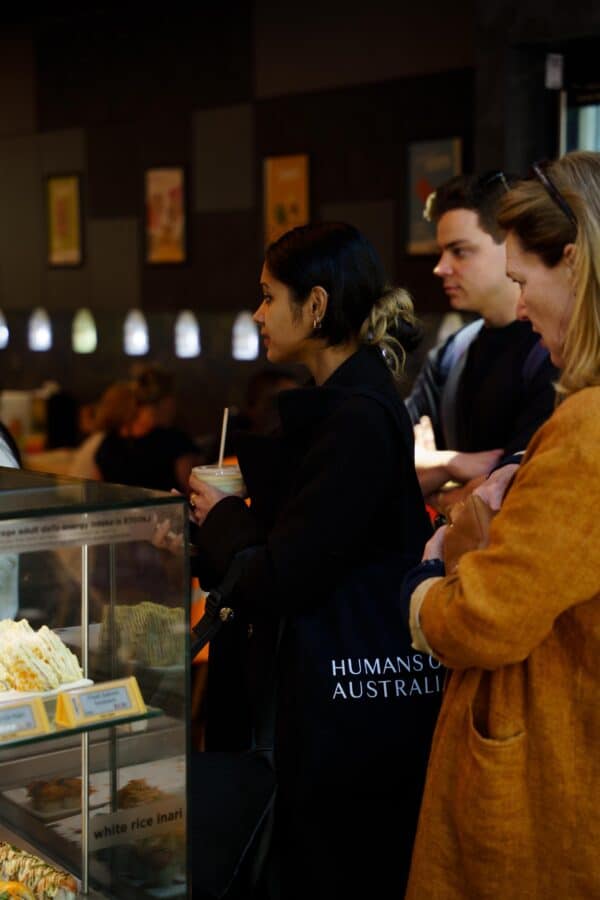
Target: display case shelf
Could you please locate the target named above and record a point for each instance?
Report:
(88, 569)
(59, 731)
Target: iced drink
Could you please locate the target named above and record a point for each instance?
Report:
(225, 478)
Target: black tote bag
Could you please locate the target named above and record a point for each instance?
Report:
(232, 793)
(362, 706)
(232, 797)
(358, 682)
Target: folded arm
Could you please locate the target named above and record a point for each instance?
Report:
(503, 600)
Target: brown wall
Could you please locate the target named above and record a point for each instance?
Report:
(216, 88)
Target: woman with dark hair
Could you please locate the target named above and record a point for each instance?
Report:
(336, 518)
(511, 802)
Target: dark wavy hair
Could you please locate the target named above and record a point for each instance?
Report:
(480, 193)
(340, 259)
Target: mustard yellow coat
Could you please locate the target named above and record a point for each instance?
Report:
(511, 809)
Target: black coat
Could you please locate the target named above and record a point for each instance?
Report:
(495, 393)
(336, 514)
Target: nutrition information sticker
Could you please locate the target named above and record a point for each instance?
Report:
(51, 532)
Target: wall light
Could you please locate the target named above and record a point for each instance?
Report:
(135, 333)
(39, 330)
(245, 341)
(84, 337)
(187, 335)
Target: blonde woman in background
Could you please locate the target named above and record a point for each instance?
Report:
(150, 451)
(115, 411)
(511, 801)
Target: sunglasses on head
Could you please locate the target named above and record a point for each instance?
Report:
(490, 180)
(539, 171)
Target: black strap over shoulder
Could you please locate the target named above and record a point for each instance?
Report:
(217, 612)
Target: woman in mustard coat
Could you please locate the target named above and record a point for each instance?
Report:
(511, 806)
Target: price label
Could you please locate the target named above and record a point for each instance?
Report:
(23, 719)
(110, 700)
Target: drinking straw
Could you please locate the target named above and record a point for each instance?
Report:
(223, 433)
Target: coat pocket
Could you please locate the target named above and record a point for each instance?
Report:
(493, 807)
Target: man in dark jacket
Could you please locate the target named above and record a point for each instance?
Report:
(488, 387)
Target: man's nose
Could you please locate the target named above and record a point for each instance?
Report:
(443, 266)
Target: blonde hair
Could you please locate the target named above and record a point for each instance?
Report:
(542, 227)
(152, 383)
(117, 407)
(391, 318)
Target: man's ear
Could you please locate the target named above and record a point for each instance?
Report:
(319, 299)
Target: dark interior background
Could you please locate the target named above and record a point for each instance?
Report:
(109, 91)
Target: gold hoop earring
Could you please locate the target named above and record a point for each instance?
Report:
(316, 324)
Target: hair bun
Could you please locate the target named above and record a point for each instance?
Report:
(393, 327)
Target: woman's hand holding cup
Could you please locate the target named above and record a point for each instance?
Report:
(204, 493)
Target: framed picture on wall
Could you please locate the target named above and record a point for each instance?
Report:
(165, 219)
(63, 205)
(286, 194)
(430, 163)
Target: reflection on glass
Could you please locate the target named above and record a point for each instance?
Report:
(187, 335)
(245, 341)
(4, 332)
(135, 338)
(39, 330)
(102, 600)
(84, 336)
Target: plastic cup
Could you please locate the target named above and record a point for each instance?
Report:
(225, 478)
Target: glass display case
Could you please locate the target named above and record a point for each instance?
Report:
(94, 687)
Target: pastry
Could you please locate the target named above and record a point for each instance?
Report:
(57, 655)
(147, 632)
(55, 794)
(136, 792)
(15, 889)
(46, 796)
(160, 858)
(71, 792)
(44, 881)
(34, 661)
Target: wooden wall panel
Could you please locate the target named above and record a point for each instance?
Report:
(22, 224)
(17, 81)
(223, 158)
(62, 151)
(114, 261)
(311, 46)
(375, 220)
